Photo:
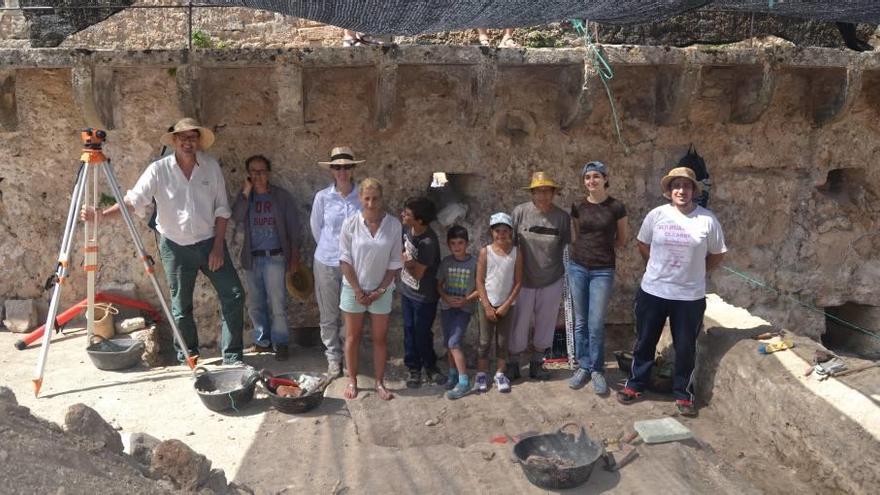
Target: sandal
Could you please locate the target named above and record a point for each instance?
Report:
(351, 391)
(383, 392)
(628, 396)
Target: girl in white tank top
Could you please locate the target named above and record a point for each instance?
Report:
(500, 269)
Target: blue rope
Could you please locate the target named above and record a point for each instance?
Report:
(606, 73)
(763, 285)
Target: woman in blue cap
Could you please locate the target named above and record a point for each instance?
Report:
(600, 229)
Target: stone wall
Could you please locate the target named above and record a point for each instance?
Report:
(791, 138)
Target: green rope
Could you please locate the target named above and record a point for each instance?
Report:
(603, 68)
(763, 285)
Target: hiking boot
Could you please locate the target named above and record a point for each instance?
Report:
(460, 390)
(685, 408)
(334, 369)
(513, 370)
(281, 352)
(627, 396)
(536, 370)
(600, 386)
(481, 383)
(502, 383)
(451, 379)
(258, 349)
(433, 376)
(415, 379)
(578, 379)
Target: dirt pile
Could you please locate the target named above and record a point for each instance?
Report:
(87, 457)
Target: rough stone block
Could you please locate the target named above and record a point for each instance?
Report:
(21, 315)
(139, 446)
(84, 421)
(7, 396)
(150, 337)
(186, 468)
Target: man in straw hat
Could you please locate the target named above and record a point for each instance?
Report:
(331, 206)
(541, 231)
(271, 248)
(192, 211)
(681, 241)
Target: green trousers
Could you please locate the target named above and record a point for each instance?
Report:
(182, 266)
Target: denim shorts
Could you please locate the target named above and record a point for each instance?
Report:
(454, 322)
(348, 302)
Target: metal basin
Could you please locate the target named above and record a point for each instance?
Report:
(225, 389)
(558, 460)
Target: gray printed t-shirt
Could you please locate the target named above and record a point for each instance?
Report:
(460, 279)
(542, 238)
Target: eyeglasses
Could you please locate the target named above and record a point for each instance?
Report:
(342, 167)
(190, 138)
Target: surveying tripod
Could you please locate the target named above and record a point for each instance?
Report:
(92, 160)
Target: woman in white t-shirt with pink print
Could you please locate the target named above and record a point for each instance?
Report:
(681, 242)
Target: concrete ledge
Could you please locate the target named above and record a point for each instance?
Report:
(439, 55)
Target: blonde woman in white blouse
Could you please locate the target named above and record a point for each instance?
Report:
(370, 256)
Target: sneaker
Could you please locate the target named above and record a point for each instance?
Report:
(348, 42)
(627, 396)
(536, 370)
(281, 352)
(459, 391)
(600, 386)
(513, 370)
(502, 383)
(481, 383)
(578, 379)
(258, 349)
(415, 379)
(451, 379)
(484, 40)
(685, 408)
(236, 361)
(334, 369)
(433, 376)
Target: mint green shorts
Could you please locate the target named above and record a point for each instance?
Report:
(349, 304)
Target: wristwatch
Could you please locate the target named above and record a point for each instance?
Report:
(381, 290)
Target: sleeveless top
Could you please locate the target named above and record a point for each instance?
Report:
(499, 275)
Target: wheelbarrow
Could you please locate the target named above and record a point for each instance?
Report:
(558, 460)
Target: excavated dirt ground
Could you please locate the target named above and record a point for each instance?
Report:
(370, 446)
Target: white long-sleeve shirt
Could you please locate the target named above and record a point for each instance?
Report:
(329, 209)
(185, 209)
(371, 256)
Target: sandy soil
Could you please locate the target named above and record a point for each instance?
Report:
(370, 446)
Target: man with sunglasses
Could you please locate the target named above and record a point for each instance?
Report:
(331, 206)
(271, 248)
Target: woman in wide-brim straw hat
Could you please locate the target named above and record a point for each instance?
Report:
(600, 230)
(681, 241)
(330, 207)
(541, 231)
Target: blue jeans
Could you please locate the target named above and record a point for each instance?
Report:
(267, 300)
(590, 293)
(418, 339)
